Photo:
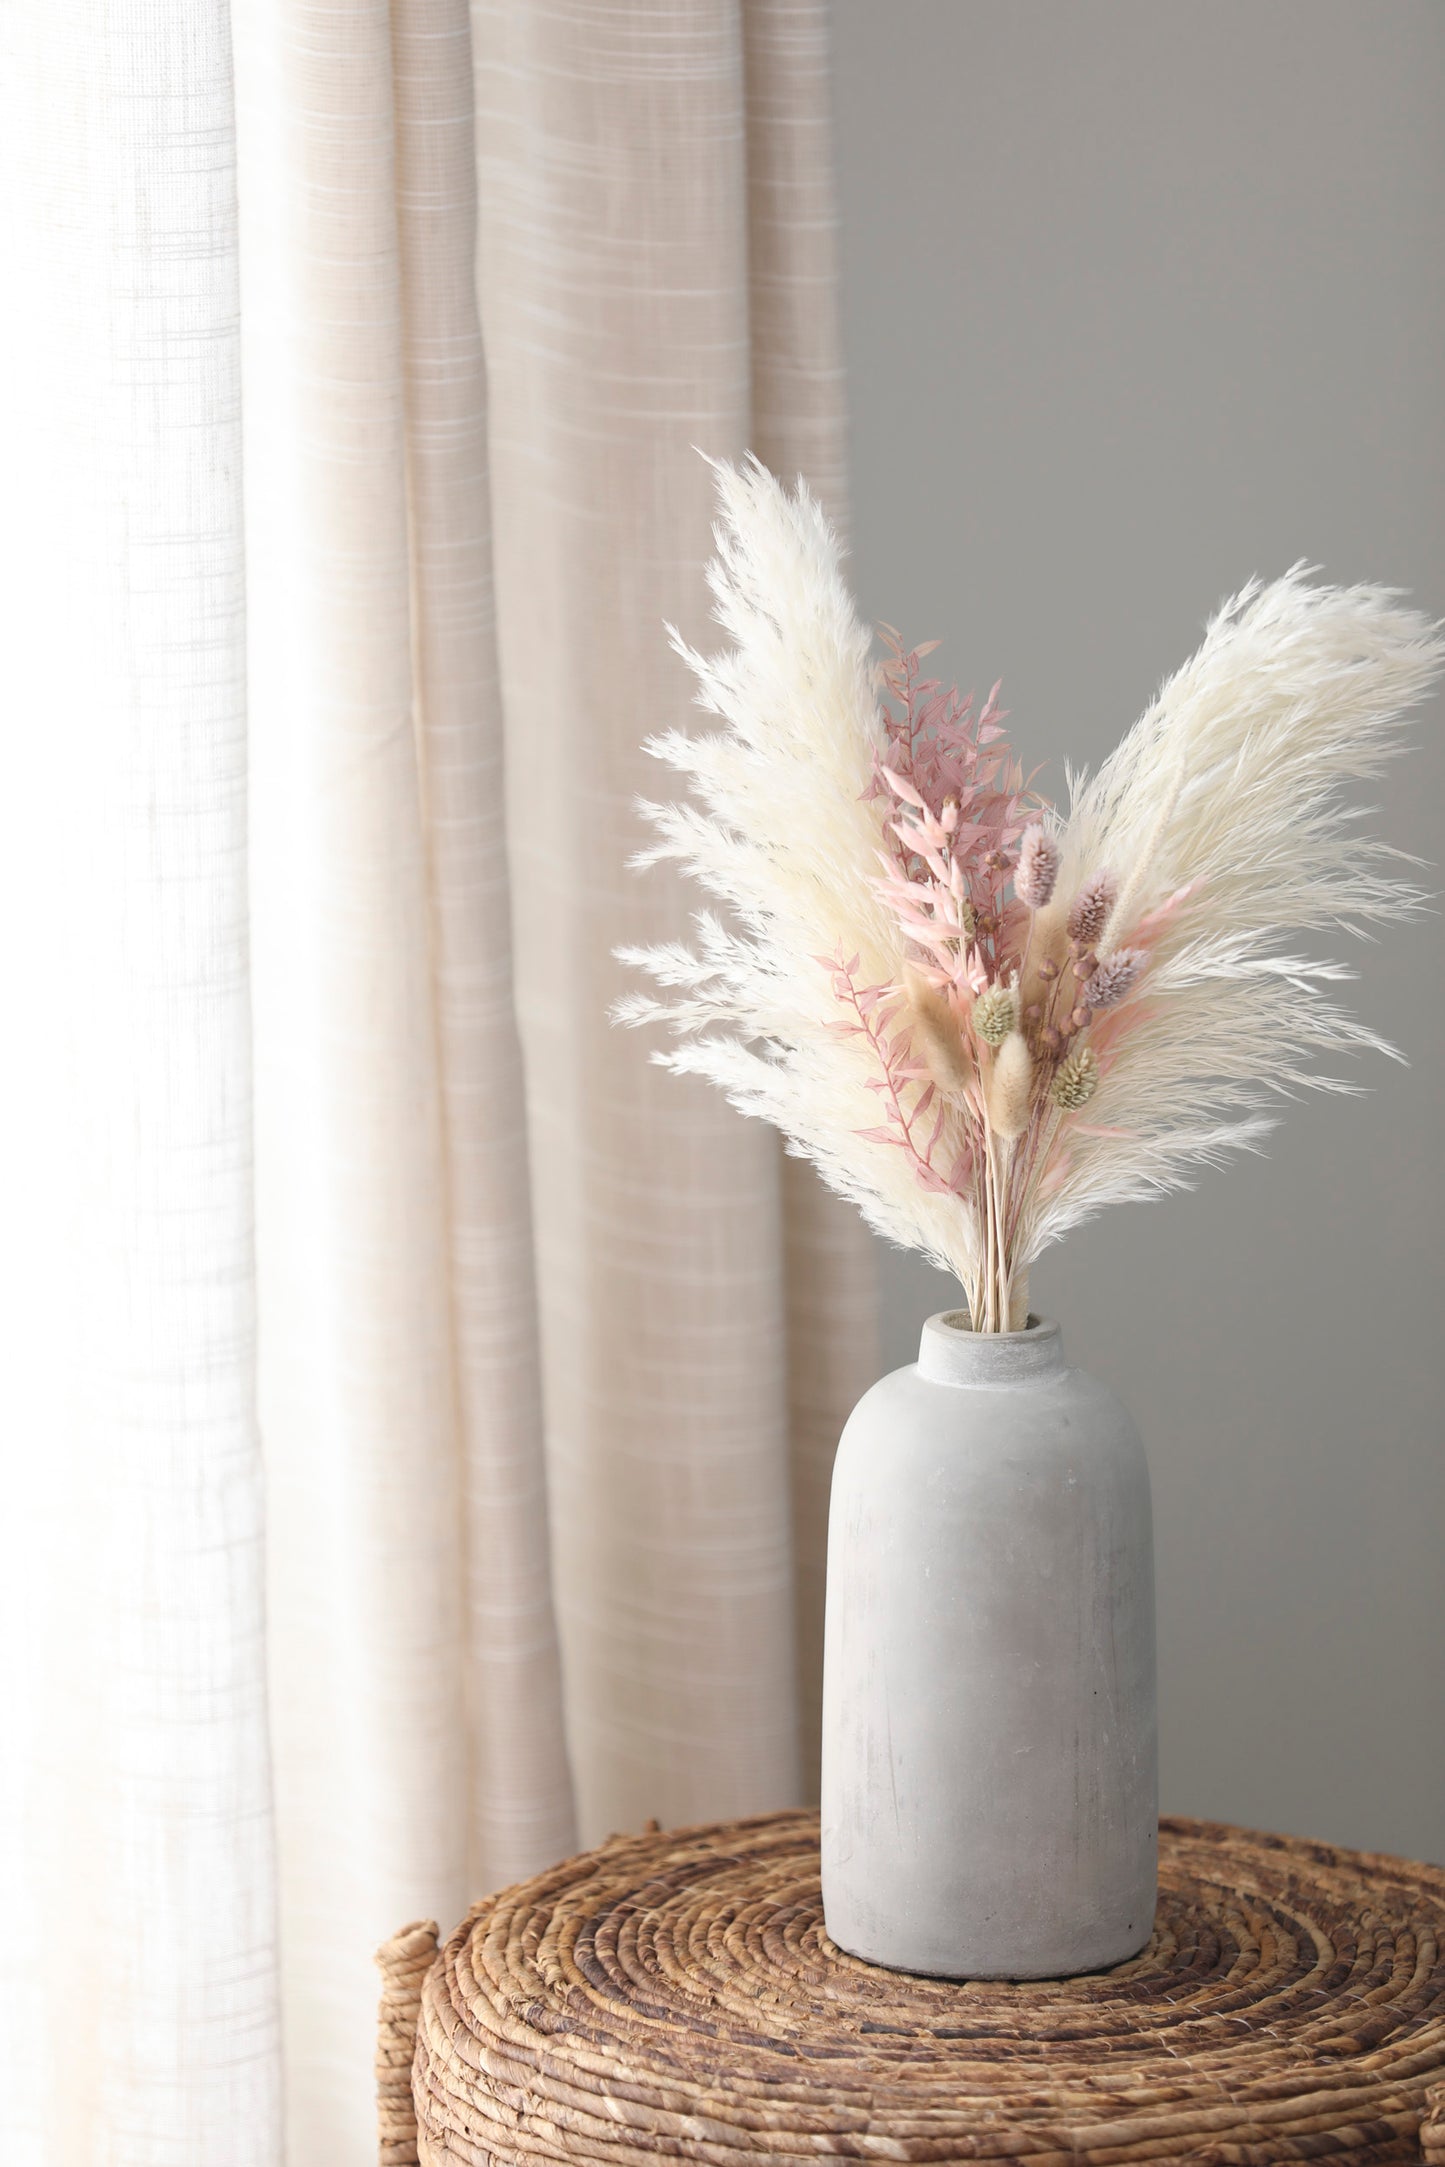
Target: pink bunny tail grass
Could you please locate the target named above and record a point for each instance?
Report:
(1116, 975)
(1089, 911)
(1037, 869)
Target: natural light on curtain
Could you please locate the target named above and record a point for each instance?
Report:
(287, 573)
(140, 2018)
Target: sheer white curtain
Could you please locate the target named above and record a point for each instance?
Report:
(301, 783)
(138, 1958)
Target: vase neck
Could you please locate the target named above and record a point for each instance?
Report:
(951, 1352)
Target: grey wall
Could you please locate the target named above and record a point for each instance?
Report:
(1141, 299)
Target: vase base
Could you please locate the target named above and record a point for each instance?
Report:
(962, 1974)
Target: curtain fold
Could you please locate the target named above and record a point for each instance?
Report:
(798, 427)
(538, 1354)
(656, 277)
(521, 1801)
(614, 296)
(419, 1750)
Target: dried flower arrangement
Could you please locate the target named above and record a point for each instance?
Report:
(983, 1018)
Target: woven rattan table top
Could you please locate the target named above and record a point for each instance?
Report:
(674, 1997)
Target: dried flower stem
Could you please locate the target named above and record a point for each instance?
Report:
(872, 1031)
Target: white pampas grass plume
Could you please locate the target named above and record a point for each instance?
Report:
(1010, 1088)
(1168, 798)
(1297, 692)
(1037, 869)
(1226, 813)
(994, 1015)
(781, 829)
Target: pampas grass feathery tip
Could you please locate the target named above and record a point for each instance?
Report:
(860, 827)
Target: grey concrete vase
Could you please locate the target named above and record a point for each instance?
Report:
(989, 1755)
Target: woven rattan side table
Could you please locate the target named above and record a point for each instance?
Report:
(674, 1997)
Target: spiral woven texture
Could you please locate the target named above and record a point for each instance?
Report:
(676, 1997)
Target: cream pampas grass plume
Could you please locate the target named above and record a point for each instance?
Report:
(984, 1020)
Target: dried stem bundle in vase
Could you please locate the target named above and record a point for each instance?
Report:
(982, 1017)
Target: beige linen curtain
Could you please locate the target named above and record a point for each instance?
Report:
(341, 742)
(656, 273)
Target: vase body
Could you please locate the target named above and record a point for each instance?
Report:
(989, 1805)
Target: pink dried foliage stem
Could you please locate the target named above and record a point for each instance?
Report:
(895, 1072)
(945, 760)
(964, 823)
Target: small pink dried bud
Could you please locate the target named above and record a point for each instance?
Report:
(1038, 868)
(1048, 970)
(1050, 1039)
(1085, 963)
(1082, 1016)
(987, 923)
(1032, 1013)
(1117, 975)
(997, 861)
(1089, 911)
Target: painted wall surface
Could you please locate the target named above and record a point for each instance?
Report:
(1140, 300)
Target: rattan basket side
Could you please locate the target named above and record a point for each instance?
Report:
(403, 1962)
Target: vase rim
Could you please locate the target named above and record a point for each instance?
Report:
(951, 1352)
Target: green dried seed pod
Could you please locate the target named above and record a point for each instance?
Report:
(994, 1015)
(1076, 1081)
